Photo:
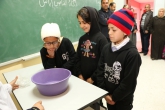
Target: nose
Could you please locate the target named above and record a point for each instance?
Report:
(51, 45)
(110, 32)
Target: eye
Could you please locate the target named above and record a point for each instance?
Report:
(113, 30)
(55, 42)
(84, 22)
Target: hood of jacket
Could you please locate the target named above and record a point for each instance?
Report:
(94, 18)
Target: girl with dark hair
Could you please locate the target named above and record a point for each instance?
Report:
(90, 44)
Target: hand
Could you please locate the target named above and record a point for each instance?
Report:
(81, 77)
(109, 100)
(13, 85)
(146, 31)
(51, 53)
(89, 80)
(134, 31)
(39, 105)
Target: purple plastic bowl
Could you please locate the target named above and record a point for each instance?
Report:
(51, 82)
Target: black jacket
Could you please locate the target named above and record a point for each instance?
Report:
(103, 17)
(149, 16)
(64, 56)
(118, 71)
(89, 48)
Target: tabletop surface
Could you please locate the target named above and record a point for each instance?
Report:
(79, 93)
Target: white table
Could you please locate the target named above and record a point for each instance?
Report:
(79, 94)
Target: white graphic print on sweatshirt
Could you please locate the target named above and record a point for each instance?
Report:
(65, 56)
(113, 73)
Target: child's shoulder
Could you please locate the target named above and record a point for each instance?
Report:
(132, 52)
(65, 39)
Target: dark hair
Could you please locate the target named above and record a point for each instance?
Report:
(102, 0)
(84, 14)
(125, 5)
(112, 3)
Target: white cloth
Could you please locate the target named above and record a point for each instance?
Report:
(118, 46)
(6, 103)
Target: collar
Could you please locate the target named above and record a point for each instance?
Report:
(118, 46)
(104, 10)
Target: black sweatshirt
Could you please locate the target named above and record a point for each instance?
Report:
(118, 71)
(90, 47)
(64, 56)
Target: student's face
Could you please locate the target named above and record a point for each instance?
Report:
(113, 8)
(115, 34)
(105, 4)
(83, 25)
(51, 43)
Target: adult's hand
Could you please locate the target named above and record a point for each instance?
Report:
(146, 31)
(13, 85)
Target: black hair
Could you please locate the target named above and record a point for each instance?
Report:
(102, 1)
(125, 5)
(84, 14)
(112, 3)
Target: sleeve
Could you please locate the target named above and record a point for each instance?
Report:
(128, 84)
(47, 62)
(100, 72)
(102, 19)
(150, 18)
(70, 63)
(8, 87)
(102, 43)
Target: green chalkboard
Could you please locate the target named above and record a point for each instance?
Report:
(21, 21)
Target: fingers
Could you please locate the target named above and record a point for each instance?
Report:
(40, 102)
(15, 87)
(14, 81)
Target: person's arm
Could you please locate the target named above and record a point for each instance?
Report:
(102, 19)
(46, 61)
(8, 87)
(12, 85)
(128, 84)
(70, 63)
(148, 24)
(78, 60)
(4, 89)
(100, 71)
(103, 41)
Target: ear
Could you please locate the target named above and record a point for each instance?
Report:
(125, 34)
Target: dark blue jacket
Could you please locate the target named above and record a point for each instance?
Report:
(103, 17)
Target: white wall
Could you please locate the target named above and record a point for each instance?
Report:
(119, 4)
(157, 5)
